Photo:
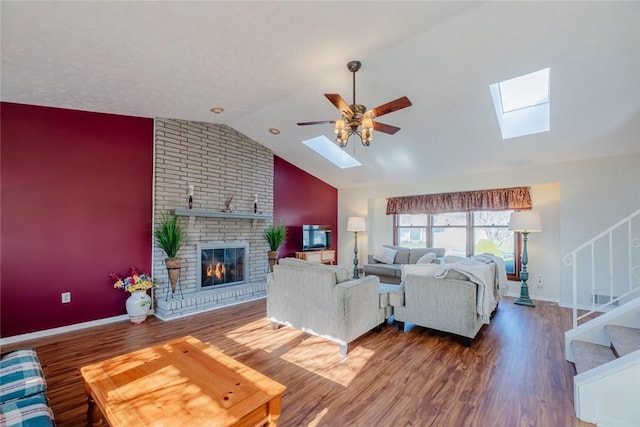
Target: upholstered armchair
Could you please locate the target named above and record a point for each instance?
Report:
(454, 300)
(321, 300)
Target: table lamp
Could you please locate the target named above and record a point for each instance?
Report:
(525, 222)
(355, 224)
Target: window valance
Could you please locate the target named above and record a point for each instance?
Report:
(500, 199)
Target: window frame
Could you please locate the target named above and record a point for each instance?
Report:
(470, 228)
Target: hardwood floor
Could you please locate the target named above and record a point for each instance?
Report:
(514, 373)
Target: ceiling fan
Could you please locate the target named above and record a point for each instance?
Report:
(356, 119)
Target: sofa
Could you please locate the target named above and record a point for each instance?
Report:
(457, 298)
(391, 272)
(323, 300)
(23, 400)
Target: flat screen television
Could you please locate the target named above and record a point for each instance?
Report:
(316, 237)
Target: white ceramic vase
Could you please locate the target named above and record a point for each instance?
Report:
(138, 305)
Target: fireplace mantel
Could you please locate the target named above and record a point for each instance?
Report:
(217, 214)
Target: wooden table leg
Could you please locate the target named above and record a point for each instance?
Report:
(274, 410)
(94, 417)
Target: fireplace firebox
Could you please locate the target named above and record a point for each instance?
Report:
(222, 264)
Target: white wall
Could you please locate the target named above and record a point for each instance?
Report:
(576, 200)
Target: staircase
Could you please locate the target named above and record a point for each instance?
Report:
(606, 349)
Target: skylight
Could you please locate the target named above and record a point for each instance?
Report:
(330, 151)
(522, 104)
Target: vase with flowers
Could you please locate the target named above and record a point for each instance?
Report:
(138, 303)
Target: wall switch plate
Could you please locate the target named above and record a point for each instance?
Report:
(66, 297)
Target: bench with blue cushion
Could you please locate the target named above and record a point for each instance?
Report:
(23, 400)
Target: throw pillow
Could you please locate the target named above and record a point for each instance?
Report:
(418, 270)
(426, 258)
(385, 255)
(343, 273)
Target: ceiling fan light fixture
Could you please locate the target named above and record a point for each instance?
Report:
(356, 119)
(343, 137)
(367, 131)
(367, 125)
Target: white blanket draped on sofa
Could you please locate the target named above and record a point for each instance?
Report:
(479, 272)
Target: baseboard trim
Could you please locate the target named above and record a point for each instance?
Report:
(534, 297)
(55, 331)
(192, 313)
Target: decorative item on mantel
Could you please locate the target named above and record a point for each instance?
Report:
(190, 194)
(228, 206)
(275, 235)
(169, 236)
(138, 303)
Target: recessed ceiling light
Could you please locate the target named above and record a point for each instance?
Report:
(217, 110)
(274, 131)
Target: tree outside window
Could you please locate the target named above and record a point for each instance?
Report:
(491, 235)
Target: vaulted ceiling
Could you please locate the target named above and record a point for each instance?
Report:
(269, 63)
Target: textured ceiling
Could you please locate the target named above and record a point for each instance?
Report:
(269, 64)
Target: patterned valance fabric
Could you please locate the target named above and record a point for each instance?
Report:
(500, 199)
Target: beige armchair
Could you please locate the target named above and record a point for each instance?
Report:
(321, 300)
(453, 302)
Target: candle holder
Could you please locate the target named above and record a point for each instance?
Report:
(190, 194)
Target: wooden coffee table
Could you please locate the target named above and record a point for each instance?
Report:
(181, 382)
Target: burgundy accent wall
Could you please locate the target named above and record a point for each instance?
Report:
(300, 198)
(76, 204)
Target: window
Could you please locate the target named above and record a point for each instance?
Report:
(491, 235)
(449, 231)
(412, 231)
(462, 234)
(330, 151)
(522, 104)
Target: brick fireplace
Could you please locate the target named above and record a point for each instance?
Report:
(220, 164)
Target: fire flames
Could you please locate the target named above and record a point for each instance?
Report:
(218, 271)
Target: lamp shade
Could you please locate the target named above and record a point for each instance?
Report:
(525, 221)
(356, 223)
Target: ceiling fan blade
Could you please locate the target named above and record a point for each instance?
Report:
(340, 104)
(390, 107)
(316, 123)
(381, 127)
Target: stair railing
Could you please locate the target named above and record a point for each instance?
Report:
(588, 248)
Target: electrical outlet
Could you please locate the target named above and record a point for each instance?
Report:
(539, 281)
(66, 297)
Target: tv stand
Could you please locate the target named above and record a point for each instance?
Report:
(326, 256)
